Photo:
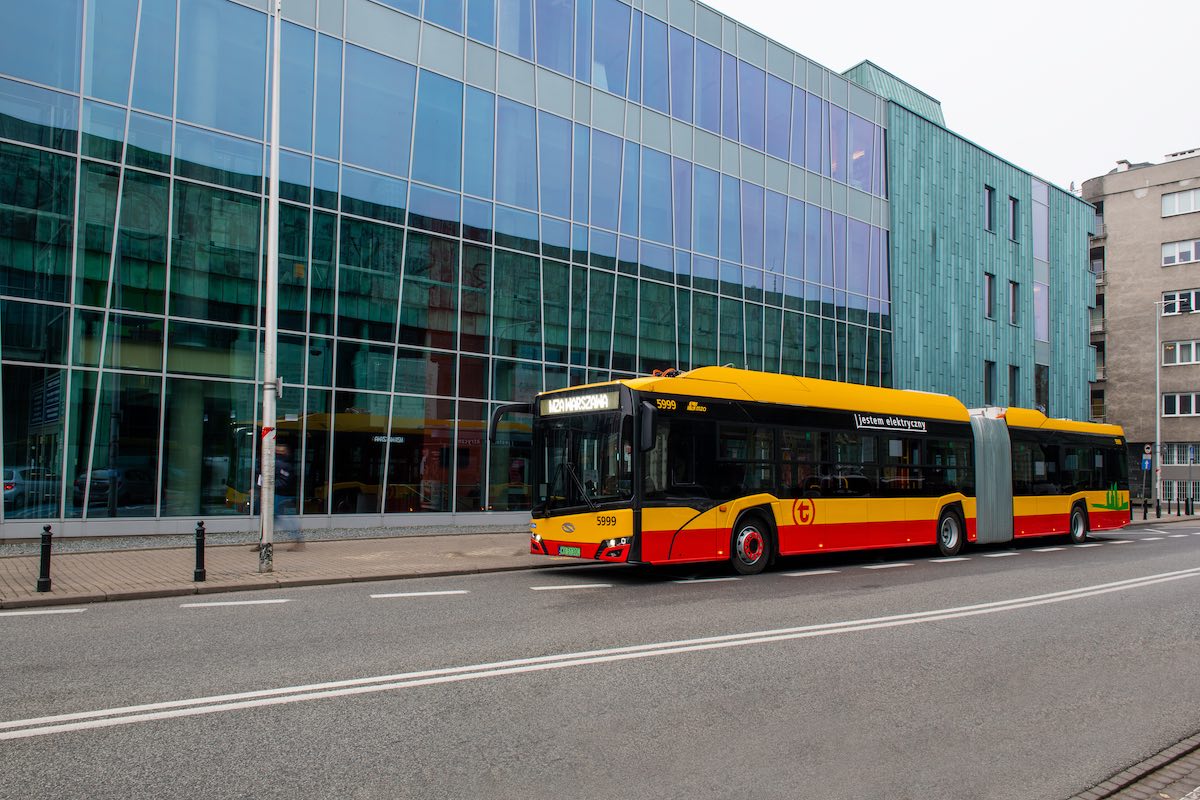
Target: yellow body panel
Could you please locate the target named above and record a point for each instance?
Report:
(1029, 418)
(590, 527)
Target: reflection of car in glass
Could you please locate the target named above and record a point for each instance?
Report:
(28, 486)
(133, 486)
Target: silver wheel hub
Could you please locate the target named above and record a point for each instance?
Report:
(949, 532)
(750, 545)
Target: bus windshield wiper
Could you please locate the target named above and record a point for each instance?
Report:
(570, 470)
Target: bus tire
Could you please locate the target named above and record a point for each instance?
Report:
(1079, 525)
(750, 545)
(949, 533)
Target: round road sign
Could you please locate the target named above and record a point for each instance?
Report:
(1147, 450)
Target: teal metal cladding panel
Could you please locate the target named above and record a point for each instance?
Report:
(871, 76)
(940, 251)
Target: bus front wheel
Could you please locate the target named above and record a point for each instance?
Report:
(749, 546)
(949, 533)
(1079, 526)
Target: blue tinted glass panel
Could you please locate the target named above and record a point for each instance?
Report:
(837, 143)
(325, 183)
(480, 140)
(103, 130)
(682, 180)
(825, 138)
(827, 276)
(879, 182)
(437, 137)
(862, 152)
(794, 263)
(708, 87)
(448, 13)
(681, 75)
(214, 158)
(812, 147)
(40, 41)
(629, 189)
(612, 46)
(369, 195)
(329, 97)
(379, 98)
(635, 58)
(516, 153)
(729, 97)
(581, 188)
(583, 40)
(812, 243)
(516, 27)
(752, 84)
(433, 210)
(149, 142)
(858, 263)
(839, 251)
(411, 6)
(296, 87)
(779, 116)
(154, 76)
(656, 196)
(797, 150)
(477, 220)
(38, 116)
(655, 89)
(294, 176)
(481, 20)
(706, 210)
(752, 224)
(731, 219)
(776, 227)
(606, 179)
(109, 49)
(554, 164)
(516, 229)
(555, 23)
(222, 53)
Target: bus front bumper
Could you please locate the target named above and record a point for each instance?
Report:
(613, 550)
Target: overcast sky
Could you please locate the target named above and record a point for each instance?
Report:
(1061, 88)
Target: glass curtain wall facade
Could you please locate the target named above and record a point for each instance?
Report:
(480, 200)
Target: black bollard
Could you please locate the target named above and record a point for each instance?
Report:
(43, 581)
(1145, 507)
(1157, 508)
(200, 573)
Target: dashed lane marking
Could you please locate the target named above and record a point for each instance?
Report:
(1121, 541)
(419, 594)
(234, 603)
(572, 586)
(1153, 539)
(705, 580)
(887, 566)
(1046, 549)
(42, 611)
(810, 572)
(1178, 536)
(1089, 544)
(1000, 555)
(948, 560)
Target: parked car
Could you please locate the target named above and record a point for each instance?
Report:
(28, 486)
(132, 486)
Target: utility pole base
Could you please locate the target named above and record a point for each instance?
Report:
(266, 560)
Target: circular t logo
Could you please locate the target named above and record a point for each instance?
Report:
(804, 511)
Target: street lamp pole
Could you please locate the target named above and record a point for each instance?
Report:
(1158, 309)
(271, 383)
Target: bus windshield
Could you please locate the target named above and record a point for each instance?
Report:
(585, 460)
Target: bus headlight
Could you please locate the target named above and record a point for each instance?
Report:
(615, 542)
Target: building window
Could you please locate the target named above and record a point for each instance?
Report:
(989, 208)
(989, 383)
(1013, 218)
(1014, 382)
(1176, 353)
(1180, 252)
(1175, 404)
(989, 295)
(1041, 312)
(1041, 388)
(1180, 202)
(1014, 305)
(1183, 302)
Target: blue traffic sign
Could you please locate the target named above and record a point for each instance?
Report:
(1145, 463)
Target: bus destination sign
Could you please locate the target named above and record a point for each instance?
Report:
(879, 422)
(580, 403)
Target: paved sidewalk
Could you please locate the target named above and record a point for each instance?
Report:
(129, 574)
(88, 577)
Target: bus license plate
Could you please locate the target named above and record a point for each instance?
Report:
(568, 551)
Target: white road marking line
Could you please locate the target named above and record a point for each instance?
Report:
(105, 718)
(948, 560)
(1178, 536)
(810, 572)
(1046, 549)
(705, 580)
(42, 611)
(1153, 539)
(1000, 555)
(1089, 544)
(1120, 541)
(572, 586)
(234, 603)
(886, 566)
(1195, 533)
(1194, 794)
(419, 594)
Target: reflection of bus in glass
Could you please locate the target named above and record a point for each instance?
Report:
(416, 455)
(724, 464)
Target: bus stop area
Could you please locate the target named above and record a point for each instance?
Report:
(114, 573)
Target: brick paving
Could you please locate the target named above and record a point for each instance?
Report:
(1173, 774)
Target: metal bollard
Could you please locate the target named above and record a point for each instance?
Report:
(200, 573)
(43, 581)
(1157, 508)
(1145, 507)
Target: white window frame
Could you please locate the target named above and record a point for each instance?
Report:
(1172, 250)
(1193, 398)
(1175, 348)
(1184, 202)
(1173, 299)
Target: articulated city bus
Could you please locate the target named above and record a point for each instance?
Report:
(725, 464)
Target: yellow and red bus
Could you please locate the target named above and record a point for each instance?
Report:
(722, 464)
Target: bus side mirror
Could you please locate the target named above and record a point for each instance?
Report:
(646, 432)
(501, 412)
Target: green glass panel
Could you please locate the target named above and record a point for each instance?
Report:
(732, 333)
(420, 468)
(793, 344)
(579, 315)
(125, 457)
(624, 357)
(223, 352)
(429, 300)
(556, 296)
(33, 332)
(34, 412)
(209, 448)
(97, 217)
(704, 329)
(516, 317)
(754, 336)
(216, 255)
(369, 279)
(476, 298)
(321, 289)
(657, 327)
(364, 366)
(683, 327)
(141, 267)
(293, 266)
(37, 198)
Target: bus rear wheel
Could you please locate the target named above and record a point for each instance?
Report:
(949, 533)
(1079, 526)
(749, 546)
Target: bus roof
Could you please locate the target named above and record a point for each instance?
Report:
(728, 383)
(1031, 418)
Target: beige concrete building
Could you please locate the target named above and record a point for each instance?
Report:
(1146, 256)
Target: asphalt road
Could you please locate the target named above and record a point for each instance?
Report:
(1026, 673)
